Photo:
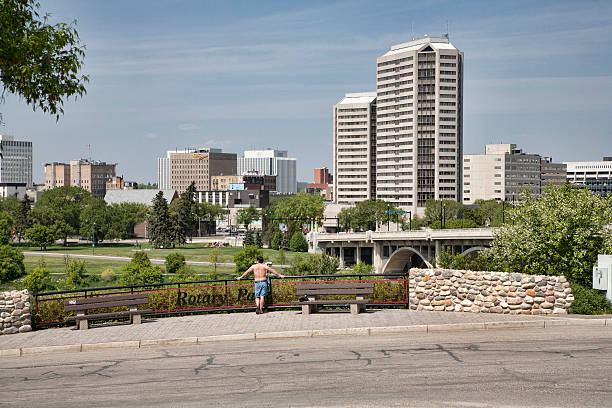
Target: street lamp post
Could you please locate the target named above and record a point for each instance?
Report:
(93, 239)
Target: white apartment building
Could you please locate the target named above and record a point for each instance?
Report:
(595, 175)
(579, 172)
(271, 162)
(502, 173)
(15, 167)
(419, 123)
(355, 148)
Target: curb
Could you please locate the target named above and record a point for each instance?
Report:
(354, 331)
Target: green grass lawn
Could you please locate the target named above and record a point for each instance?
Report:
(192, 252)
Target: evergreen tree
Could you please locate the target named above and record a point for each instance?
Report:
(258, 240)
(298, 243)
(161, 233)
(183, 222)
(277, 241)
(248, 238)
(23, 219)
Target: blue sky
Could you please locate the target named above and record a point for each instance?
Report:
(256, 74)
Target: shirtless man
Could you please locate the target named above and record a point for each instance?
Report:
(261, 284)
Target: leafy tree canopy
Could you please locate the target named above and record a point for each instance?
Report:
(247, 215)
(39, 61)
(61, 208)
(559, 233)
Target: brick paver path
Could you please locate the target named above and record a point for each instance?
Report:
(238, 323)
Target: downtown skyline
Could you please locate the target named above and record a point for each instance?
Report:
(252, 76)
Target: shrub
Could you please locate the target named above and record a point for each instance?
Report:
(245, 258)
(38, 280)
(139, 271)
(174, 262)
(589, 301)
(11, 263)
(363, 268)
(108, 275)
(75, 273)
(314, 264)
(298, 243)
(185, 274)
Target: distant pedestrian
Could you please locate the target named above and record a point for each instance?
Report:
(261, 284)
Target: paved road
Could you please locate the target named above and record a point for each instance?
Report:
(503, 368)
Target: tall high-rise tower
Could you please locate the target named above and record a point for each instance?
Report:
(419, 121)
(355, 148)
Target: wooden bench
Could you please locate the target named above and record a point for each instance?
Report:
(81, 306)
(313, 290)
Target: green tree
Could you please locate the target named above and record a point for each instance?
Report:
(245, 258)
(39, 61)
(490, 213)
(258, 240)
(437, 211)
(23, 219)
(40, 236)
(161, 230)
(277, 240)
(95, 216)
(368, 215)
(174, 262)
(559, 233)
(61, 208)
(11, 263)
(247, 215)
(10, 205)
(183, 221)
(298, 243)
(248, 238)
(6, 228)
(123, 217)
(214, 257)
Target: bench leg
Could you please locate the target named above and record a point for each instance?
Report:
(305, 309)
(135, 318)
(83, 324)
(355, 308)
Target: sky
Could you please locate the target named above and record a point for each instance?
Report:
(261, 74)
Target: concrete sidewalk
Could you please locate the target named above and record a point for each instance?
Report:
(197, 329)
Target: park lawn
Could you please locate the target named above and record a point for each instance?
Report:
(192, 252)
(97, 266)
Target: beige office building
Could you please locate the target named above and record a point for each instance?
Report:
(199, 166)
(504, 172)
(90, 175)
(355, 148)
(419, 122)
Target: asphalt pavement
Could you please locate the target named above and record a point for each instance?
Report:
(248, 326)
(554, 367)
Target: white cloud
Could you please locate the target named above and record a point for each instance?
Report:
(152, 135)
(187, 127)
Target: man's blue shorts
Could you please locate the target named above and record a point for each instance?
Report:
(261, 288)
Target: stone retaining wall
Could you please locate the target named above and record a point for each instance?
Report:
(488, 292)
(15, 314)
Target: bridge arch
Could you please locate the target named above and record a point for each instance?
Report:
(405, 257)
(473, 249)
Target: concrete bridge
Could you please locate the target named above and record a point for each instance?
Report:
(398, 251)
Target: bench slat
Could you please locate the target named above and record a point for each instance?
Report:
(97, 299)
(344, 285)
(72, 308)
(110, 314)
(332, 302)
(325, 291)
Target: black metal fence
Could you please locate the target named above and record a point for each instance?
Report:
(208, 296)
